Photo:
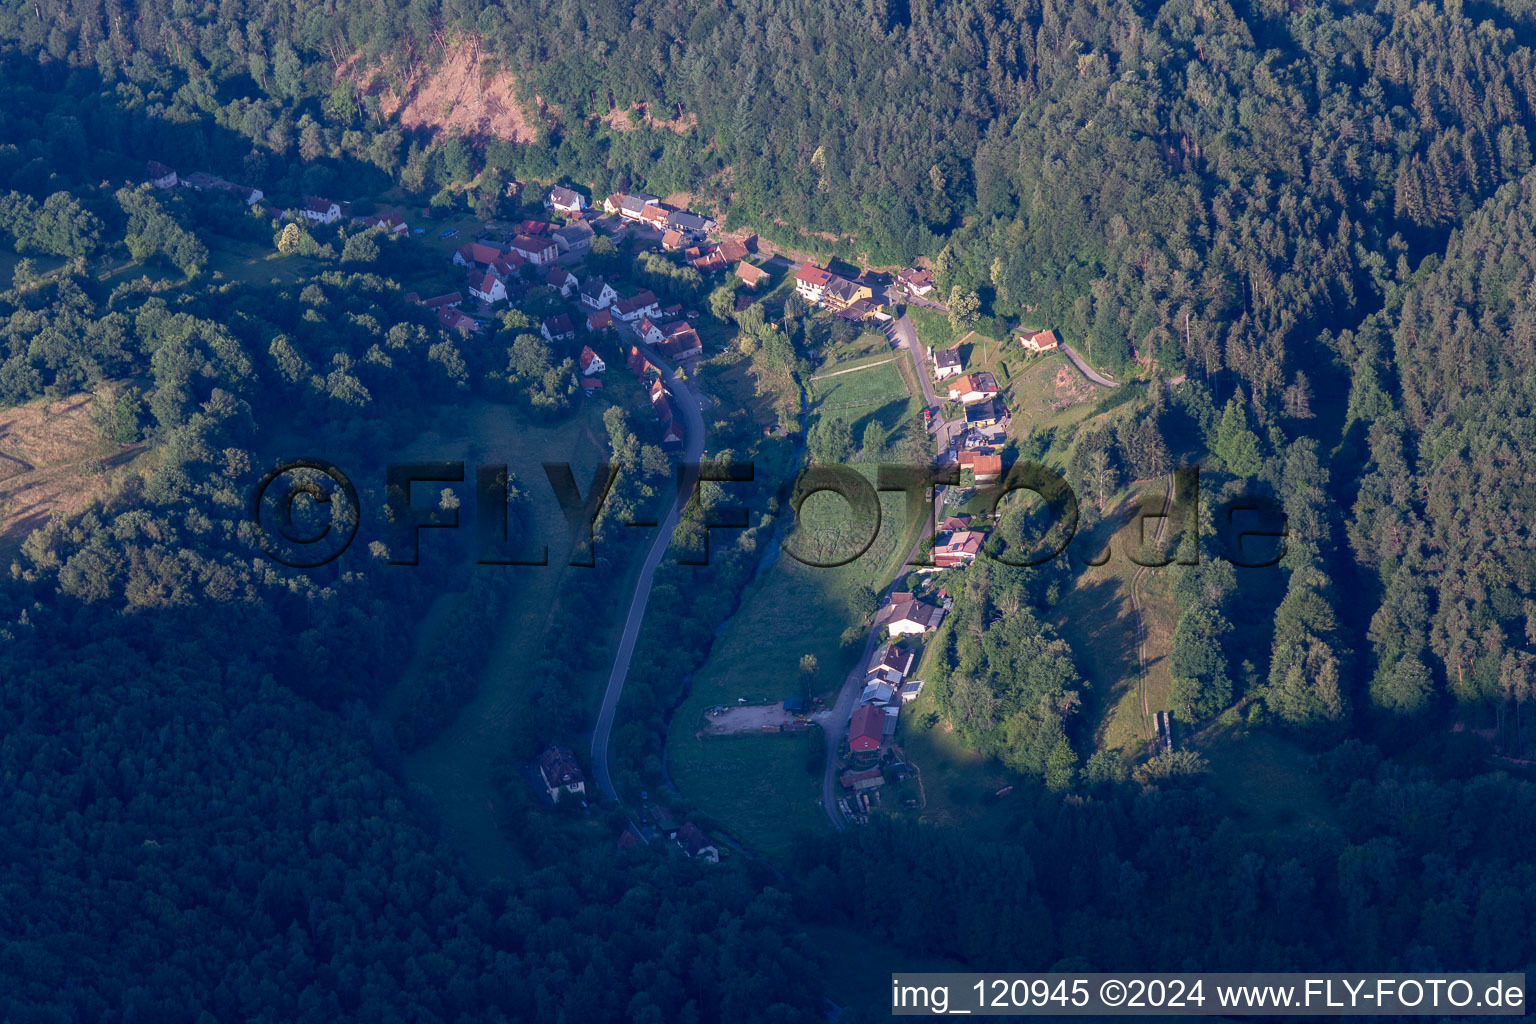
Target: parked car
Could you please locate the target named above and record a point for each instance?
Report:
(448, 232)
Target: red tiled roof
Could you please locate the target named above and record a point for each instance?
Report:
(811, 274)
(866, 728)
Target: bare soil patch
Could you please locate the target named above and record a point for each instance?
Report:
(51, 459)
(453, 93)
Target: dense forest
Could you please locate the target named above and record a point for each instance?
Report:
(1306, 229)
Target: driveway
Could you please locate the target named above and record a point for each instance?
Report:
(836, 725)
(693, 425)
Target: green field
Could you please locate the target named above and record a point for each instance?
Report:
(759, 787)
(761, 794)
(873, 381)
(455, 769)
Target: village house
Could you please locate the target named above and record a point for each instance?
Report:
(811, 282)
(654, 215)
(557, 328)
(575, 239)
(649, 330)
(537, 251)
(905, 615)
(160, 175)
(508, 264)
(688, 222)
(566, 200)
(453, 320)
(696, 844)
(986, 413)
(750, 275)
(973, 387)
(487, 286)
(661, 406)
(560, 772)
(946, 362)
(590, 362)
(709, 262)
(866, 730)
(915, 282)
(681, 341)
(858, 310)
(636, 306)
(471, 253)
(733, 249)
(598, 293)
(1039, 341)
(910, 690)
(869, 778)
(201, 181)
(628, 205)
(392, 223)
(953, 523)
(673, 240)
(536, 228)
(602, 320)
(590, 384)
(840, 293)
(878, 693)
(959, 548)
(889, 664)
(437, 301)
(638, 364)
(985, 467)
(563, 280)
(320, 211)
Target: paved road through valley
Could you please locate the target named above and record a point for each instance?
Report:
(693, 422)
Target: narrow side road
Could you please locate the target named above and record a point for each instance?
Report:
(693, 422)
(837, 725)
(1088, 371)
(1148, 727)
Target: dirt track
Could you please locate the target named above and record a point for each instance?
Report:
(742, 718)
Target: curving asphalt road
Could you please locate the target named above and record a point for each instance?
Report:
(1088, 371)
(693, 422)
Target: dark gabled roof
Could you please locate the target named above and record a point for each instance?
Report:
(558, 766)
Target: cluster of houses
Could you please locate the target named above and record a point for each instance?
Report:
(165, 177)
(663, 405)
(957, 545)
(689, 837)
(685, 226)
(561, 777)
(849, 298)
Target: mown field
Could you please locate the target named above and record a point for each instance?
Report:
(761, 792)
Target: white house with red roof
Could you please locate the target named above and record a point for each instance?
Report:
(590, 362)
(487, 286)
(320, 210)
(537, 251)
(977, 386)
(641, 304)
(392, 223)
(562, 280)
(811, 282)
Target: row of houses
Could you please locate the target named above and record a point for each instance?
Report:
(850, 299)
(650, 211)
(163, 176)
